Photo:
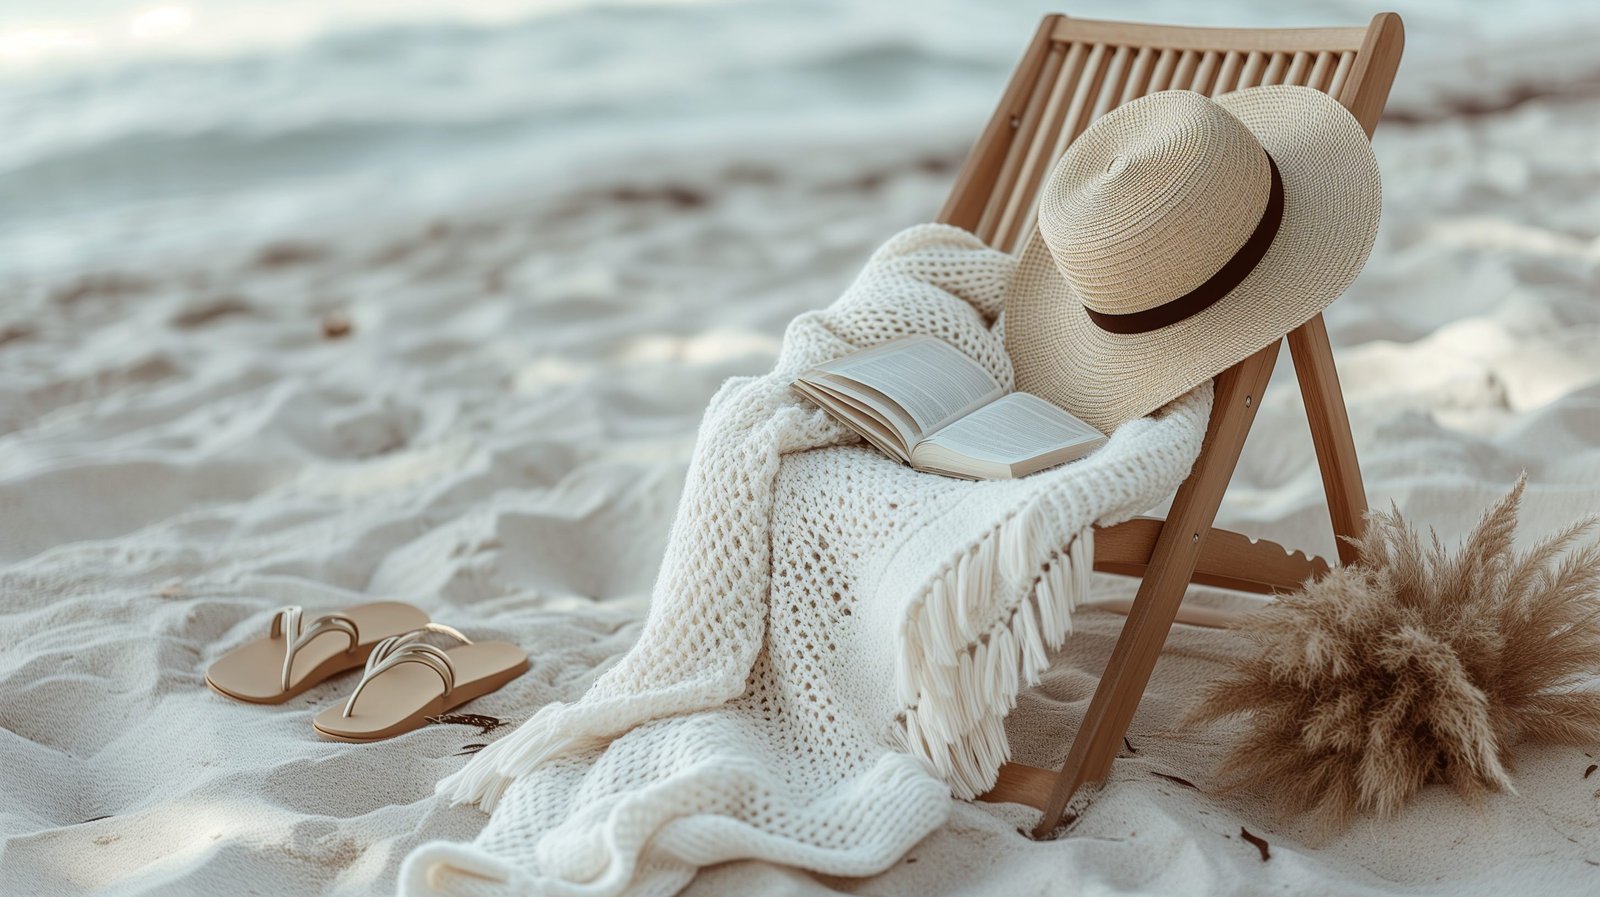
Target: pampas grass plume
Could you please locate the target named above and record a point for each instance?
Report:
(1416, 665)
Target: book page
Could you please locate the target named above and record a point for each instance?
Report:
(930, 379)
(1012, 430)
(870, 403)
(875, 427)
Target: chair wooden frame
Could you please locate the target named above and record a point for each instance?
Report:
(1073, 71)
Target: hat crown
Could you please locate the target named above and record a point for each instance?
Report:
(1152, 200)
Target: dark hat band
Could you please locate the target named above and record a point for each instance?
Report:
(1220, 284)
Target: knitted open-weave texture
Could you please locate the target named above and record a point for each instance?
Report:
(833, 639)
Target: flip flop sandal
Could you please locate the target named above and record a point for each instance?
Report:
(296, 656)
(406, 681)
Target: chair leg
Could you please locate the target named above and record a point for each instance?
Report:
(1172, 563)
(1330, 433)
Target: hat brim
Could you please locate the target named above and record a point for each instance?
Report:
(1332, 198)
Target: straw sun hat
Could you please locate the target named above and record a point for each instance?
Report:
(1178, 236)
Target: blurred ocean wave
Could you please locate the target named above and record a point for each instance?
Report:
(244, 118)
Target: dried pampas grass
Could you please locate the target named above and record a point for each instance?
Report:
(1416, 666)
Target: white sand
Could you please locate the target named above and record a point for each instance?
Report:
(501, 438)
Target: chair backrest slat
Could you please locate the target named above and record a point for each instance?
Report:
(1299, 67)
(1116, 82)
(1255, 65)
(1321, 70)
(1079, 69)
(1205, 72)
(1228, 73)
(1341, 74)
(1144, 59)
(1161, 79)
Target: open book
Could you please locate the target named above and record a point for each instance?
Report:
(924, 403)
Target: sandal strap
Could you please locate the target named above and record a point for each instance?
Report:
(290, 625)
(409, 648)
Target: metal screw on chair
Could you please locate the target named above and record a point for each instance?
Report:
(1247, 400)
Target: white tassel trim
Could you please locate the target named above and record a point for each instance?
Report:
(983, 631)
(487, 775)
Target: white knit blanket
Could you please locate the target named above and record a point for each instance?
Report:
(833, 641)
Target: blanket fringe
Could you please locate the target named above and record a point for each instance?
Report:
(972, 645)
(487, 775)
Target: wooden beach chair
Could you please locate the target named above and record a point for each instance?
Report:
(1074, 71)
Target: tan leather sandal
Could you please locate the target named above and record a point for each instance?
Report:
(295, 655)
(407, 680)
